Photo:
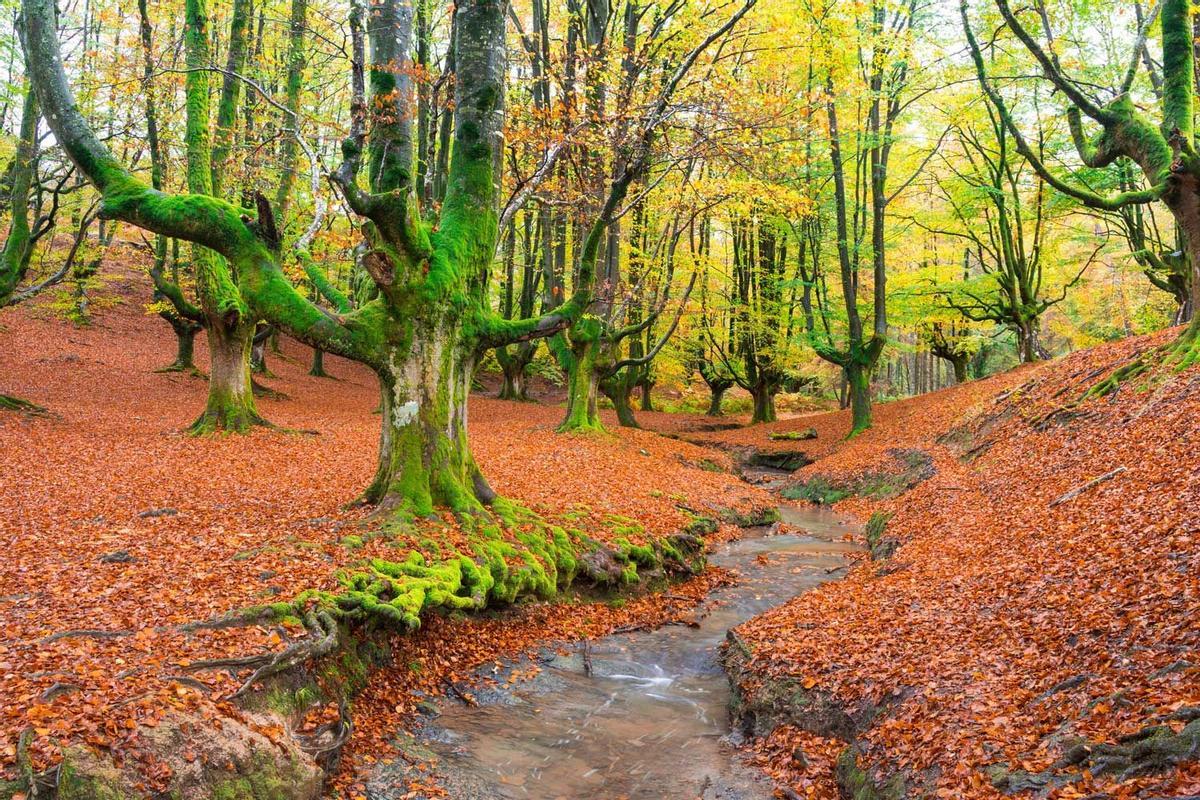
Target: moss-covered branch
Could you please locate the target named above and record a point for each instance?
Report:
(1153, 154)
(14, 257)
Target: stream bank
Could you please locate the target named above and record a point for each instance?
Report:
(635, 715)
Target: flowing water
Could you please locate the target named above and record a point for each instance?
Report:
(651, 721)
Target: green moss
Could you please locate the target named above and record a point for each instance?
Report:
(82, 777)
(817, 490)
(288, 702)
(855, 783)
(699, 525)
(750, 519)
(623, 526)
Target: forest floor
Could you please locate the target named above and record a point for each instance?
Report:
(116, 525)
(1007, 621)
(1041, 613)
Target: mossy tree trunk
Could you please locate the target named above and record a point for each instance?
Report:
(858, 379)
(431, 319)
(513, 364)
(716, 395)
(230, 405)
(764, 403)
(18, 247)
(230, 326)
(425, 458)
(1164, 151)
(185, 344)
(578, 353)
(618, 389)
(294, 83)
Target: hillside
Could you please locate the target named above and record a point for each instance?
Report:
(1035, 628)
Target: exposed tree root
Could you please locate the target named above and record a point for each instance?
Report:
(515, 553)
(326, 742)
(1152, 749)
(1179, 355)
(322, 639)
(261, 390)
(183, 369)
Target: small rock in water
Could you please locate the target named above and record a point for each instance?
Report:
(428, 708)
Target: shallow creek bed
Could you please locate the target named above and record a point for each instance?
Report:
(634, 715)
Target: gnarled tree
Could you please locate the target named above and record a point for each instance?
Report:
(430, 319)
(1163, 149)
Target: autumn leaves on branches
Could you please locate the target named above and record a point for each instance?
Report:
(1164, 152)
(430, 318)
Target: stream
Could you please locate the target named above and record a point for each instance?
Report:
(651, 721)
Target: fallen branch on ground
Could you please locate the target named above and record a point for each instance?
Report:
(1071, 495)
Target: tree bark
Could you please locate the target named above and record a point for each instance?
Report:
(14, 258)
(764, 403)
(858, 379)
(230, 404)
(647, 384)
(714, 403)
(424, 457)
(618, 390)
(317, 370)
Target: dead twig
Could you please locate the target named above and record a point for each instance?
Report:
(1071, 495)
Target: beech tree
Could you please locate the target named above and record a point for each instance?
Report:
(859, 161)
(1163, 149)
(432, 318)
(590, 352)
(1003, 212)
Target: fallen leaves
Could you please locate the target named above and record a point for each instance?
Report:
(1006, 594)
(213, 524)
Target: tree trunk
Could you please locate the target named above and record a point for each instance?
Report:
(1184, 203)
(647, 399)
(185, 344)
(714, 403)
(14, 256)
(618, 390)
(1029, 349)
(258, 350)
(318, 364)
(764, 403)
(858, 379)
(513, 386)
(230, 405)
(581, 360)
(513, 363)
(424, 457)
(960, 368)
